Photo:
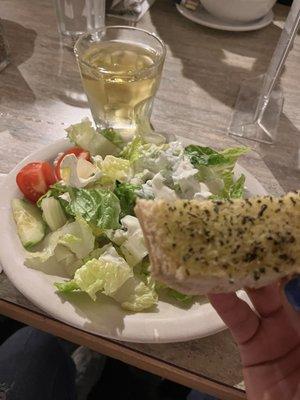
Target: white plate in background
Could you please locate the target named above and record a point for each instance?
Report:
(203, 17)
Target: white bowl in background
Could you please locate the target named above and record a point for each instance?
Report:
(238, 10)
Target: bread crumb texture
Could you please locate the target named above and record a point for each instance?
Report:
(228, 238)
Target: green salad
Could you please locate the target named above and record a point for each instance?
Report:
(78, 212)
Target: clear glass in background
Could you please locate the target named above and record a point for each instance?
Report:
(121, 69)
(260, 101)
(76, 17)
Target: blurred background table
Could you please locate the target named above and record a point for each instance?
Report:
(41, 94)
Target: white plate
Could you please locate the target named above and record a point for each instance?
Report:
(168, 323)
(202, 17)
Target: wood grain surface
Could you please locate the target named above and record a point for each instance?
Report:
(41, 93)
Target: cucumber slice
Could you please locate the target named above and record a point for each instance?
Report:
(53, 213)
(30, 225)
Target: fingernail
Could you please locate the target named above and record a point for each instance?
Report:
(292, 292)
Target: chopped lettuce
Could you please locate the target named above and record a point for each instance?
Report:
(113, 137)
(116, 169)
(185, 299)
(64, 255)
(105, 274)
(232, 189)
(219, 161)
(216, 169)
(152, 157)
(111, 276)
(98, 207)
(146, 156)
(67, 287)
(142, 270)
(127, 195)
(135, 295)
(132, 150)
(86, 137)
(237, 189)
(76, 236)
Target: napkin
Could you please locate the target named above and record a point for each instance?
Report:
(131, 10)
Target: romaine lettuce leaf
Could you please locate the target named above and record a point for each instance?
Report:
(86, 137)
(135, 295)
(126, 193)
(115, 168)
(216, 169)
(111, 275)
(220, 161)
(232, 189)
(131, 151)
(113, 137)
(105, 274)
(67, 287)
(99, 207)
(146, 155)
(185, 299)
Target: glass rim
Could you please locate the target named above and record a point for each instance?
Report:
(113, 27)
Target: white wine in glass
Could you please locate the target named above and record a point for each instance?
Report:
(120, 76)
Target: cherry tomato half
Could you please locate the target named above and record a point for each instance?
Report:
(35, 179)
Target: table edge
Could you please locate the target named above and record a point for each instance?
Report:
(120, 351)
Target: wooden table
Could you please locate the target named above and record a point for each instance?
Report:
(40, 93)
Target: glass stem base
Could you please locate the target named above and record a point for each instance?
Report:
(255, 118)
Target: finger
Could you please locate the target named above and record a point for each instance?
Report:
(266, 300)
(236, 314)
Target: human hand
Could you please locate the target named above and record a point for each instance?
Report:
(268, 341)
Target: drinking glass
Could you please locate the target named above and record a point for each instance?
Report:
(76, 17)
(121, 68)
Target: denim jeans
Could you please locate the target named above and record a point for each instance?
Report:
(35, 366)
